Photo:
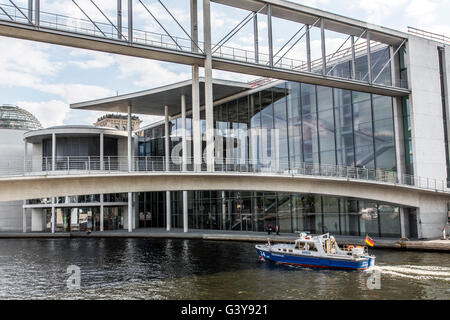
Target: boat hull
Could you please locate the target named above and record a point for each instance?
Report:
(316, 262)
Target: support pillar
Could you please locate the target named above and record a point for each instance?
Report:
(196, 127)
(185, 211)
(24, 217)
(166, 138)
(130, 212)
(130, 21)
(53, 216)
(168, 212)
(102, 152)
(37, 12)
(208, 86)
(269, 30)
(102, 212)
(119, 18)
(324, 51)
(256, 37)
(308, 47)
(25, 158)
(369, 59)
(129, 140)
(183, 133)
(352, 42)
(30, 10)
(53, 151)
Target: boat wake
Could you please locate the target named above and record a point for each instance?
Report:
(415, 272)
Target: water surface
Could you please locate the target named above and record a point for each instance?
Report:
(196, 269)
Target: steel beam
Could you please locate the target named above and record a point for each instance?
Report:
(30, 10)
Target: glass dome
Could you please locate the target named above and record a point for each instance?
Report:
(16, 118)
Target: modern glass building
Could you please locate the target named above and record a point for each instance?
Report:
(351, 142)
(285, 126)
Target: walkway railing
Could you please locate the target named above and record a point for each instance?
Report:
(105, 30)
(116, 165)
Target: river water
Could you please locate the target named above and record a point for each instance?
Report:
(195, 269)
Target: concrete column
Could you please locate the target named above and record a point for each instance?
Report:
(399, 136)
(37, 12)
(53, 151)
(53, 215)
(256, 37)
(30, 10)
(208, 86)
(308, 48)
(25, 157)
(323, 45)
(168, 212)
(196, 123)
(130, 146)
(185, 211)
(369, 59)
(102, 212)
(102, 151)
(402, 222)
(269, 34)
(119, 18)
(130, 212)
(196, 128)
(183, 133)
(167, 138)
(352, 42)
(24, 217)
(130, 21)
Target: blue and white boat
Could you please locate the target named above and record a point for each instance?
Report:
(317, 252)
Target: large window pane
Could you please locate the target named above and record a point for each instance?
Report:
(309, 115)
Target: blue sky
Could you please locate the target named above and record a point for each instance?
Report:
(45, 79)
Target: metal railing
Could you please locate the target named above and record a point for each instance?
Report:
(105, 30)
(429, 35)
(115, 165)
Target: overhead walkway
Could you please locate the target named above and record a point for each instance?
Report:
(37, 25)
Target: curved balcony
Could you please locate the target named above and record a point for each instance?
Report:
(140, 165)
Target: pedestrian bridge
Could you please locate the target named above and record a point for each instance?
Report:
(66, 177)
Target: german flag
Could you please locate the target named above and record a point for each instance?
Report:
(369, 241)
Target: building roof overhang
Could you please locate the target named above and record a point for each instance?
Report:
(152, 102)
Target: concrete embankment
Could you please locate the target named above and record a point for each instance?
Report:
(255, 237)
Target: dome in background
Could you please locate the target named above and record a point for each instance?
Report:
(12, 117)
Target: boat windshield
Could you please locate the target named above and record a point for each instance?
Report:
(305, 245)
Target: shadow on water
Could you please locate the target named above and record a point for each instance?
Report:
(196, 269)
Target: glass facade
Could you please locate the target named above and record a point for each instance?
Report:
(283, 128)
(295, 123)
(254, 211)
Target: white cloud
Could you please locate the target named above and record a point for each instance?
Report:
(41, 110)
